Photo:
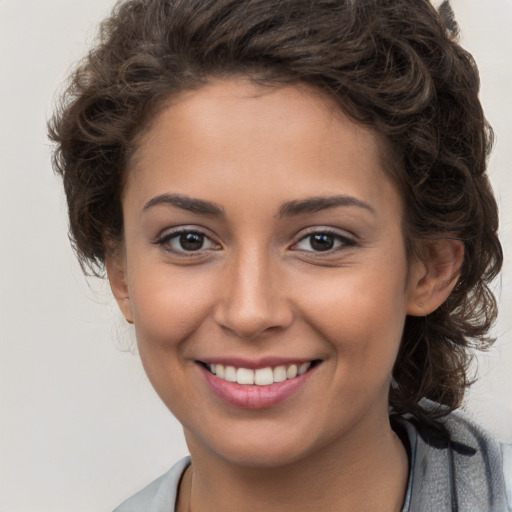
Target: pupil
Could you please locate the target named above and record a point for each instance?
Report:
(322, 242)
(191, 241)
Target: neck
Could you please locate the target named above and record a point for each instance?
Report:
(353, 474)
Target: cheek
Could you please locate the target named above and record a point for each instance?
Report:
(168, 306)
(361, 313)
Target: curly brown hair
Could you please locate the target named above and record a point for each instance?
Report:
(391, 65)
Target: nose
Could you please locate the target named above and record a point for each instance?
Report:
(252, 300)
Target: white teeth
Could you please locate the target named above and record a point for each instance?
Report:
(303, 368)
(291, 373)
(245, 376)
(220, 371)
(230, 373)
(279, 373)
(263, 377)
(260, 377)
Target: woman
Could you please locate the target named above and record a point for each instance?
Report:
(290, 201)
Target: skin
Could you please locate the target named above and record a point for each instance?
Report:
(259, 288)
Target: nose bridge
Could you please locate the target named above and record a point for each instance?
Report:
(252, 300)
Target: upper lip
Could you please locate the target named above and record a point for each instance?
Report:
(254, 364)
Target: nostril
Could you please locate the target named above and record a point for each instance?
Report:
(250, 301)
(249, 318)
(247, 324)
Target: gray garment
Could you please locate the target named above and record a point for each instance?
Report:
(160, 495)
(456, 468)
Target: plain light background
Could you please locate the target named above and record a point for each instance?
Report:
(80, 427)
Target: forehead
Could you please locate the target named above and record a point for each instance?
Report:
(281, 140)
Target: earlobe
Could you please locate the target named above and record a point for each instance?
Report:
(433, 278)
(115, 265)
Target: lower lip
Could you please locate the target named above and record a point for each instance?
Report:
(254, 397)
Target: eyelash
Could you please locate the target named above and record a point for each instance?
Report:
(164, 242)
(343, 241)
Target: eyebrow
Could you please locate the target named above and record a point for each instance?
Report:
(316, 204)
(289, 209)
(185, 203)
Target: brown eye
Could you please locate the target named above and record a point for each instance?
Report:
(191, 241)
(322, 242)
(186, 241)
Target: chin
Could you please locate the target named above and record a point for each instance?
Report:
(263, 454)
(261, 444)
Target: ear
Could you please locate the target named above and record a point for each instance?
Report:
(115, 263)
(433, 277)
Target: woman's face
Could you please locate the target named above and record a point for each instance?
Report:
(262, 233)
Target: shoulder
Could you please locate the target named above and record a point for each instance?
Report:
(457, 465)
(159, 495)
(506, 450)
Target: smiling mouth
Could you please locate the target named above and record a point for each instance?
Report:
(261, 376)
